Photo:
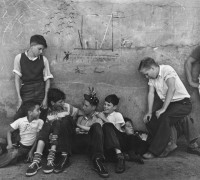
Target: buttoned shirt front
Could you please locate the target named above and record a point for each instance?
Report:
(166, 72)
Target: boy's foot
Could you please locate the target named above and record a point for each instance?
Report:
(33, 169)
(148, 155)
(49, 167)
(120, 166)
(62, 164)
(99, 168)
(135, 158)
(168, 150)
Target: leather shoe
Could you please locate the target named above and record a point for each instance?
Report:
(148, 155)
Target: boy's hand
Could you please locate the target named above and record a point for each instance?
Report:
(147, 117)
(30, 157)
(9, 147)
(44, 103)
(102, 116)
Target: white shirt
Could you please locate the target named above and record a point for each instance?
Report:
(116, 118)
(67, 109)
(28, 130)
(17, 68)
(161, 87)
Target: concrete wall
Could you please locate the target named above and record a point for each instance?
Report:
(99, 43)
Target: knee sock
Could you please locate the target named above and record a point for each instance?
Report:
(51, 155)
(37, 157)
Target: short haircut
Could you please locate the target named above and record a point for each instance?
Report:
(38, 39)
(112, 98)
(30, 105)
(147, 63)
(55, 95)
(128, 120)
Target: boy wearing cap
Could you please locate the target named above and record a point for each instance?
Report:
(32, 76)
(89, 137)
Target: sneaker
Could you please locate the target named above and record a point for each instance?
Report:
(62, 164)
(195, 150)
(99, 168)
(120, 166)
(49, 167)
(33, 168)
(135, 158)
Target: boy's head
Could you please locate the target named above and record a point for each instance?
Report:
(110, 104)
(33, 110)
(55, 98)
(90, 103)
(128, 127)
(149, 68)
(37, 44)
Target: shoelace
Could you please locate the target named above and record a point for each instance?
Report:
(33, 163)
(50, 163)
(100, 165)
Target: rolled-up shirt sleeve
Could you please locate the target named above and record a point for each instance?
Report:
(47, 74)
(17, 67)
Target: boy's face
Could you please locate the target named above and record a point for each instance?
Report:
(37, 49)
(58, 105)
(109, 107)
(88, 108)
(36, 112)
(128, 128)
(150, 73)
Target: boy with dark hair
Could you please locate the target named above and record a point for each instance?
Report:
(60, 127)
(32, 77)
(116, 141)
(89, 137)
(29, 127)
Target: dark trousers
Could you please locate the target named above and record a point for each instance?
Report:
(31, 92)
(91, 143)
(114, 139)
(64, 129)
(159, 129)
(12, 156)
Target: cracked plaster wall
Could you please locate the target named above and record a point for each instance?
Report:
(100, 44)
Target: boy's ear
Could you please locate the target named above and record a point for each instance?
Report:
(115, 107)
(52, 103)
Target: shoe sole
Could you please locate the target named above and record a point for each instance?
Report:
(101, 175)
(58, 171)
(48, 171)
(32, 174)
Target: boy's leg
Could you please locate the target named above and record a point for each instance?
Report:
(66, 133)
(113, 137)
(43, 139)
(96, 150)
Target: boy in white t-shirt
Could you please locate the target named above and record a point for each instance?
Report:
(29, 127)
(57, 131)
(115, 138)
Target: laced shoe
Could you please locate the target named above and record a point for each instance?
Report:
(49, 167)
(62, 164)
(33, 169)
(99, 168)
(120, 166)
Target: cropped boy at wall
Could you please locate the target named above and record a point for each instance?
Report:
(60, 126)
(176, 104)
(29, 127)
(32, 76)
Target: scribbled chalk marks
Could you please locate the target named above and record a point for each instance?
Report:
(17, 15)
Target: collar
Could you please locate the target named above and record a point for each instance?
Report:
(30, 58)
(90, 116)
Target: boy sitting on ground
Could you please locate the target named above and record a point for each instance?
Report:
(29, 127)
(115, 137)
(59, 114)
